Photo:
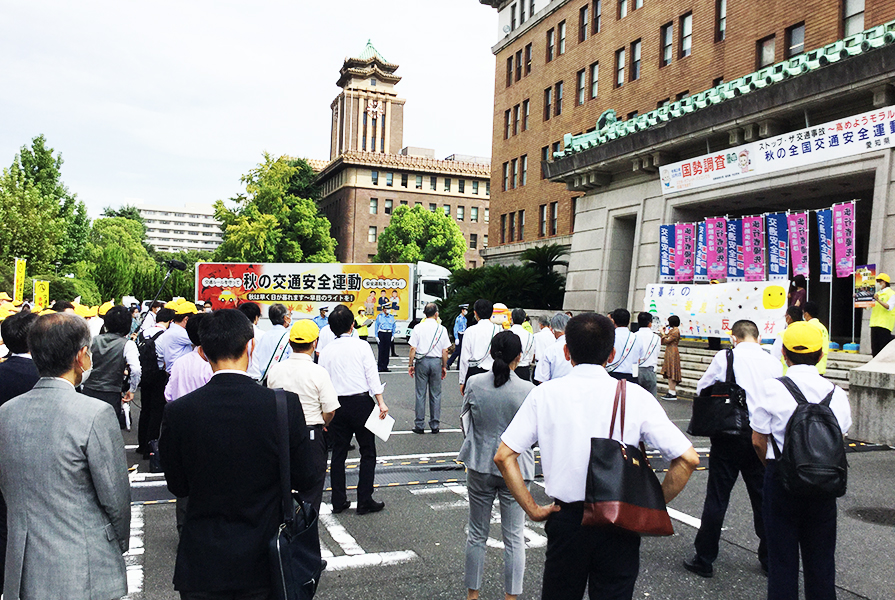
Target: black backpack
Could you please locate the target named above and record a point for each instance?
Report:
(813, 461)
(148, 359)
(720, 409)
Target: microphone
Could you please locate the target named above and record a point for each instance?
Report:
(176, 264)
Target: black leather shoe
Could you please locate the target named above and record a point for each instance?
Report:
(436, 430)
(419, 430)
(371, 507)
(341, 508)
(694, 566)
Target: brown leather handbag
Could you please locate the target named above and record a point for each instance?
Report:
(622, 488)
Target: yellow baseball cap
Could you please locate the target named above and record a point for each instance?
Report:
(304, 331)
(91, 311)
(802, 337)
(81, 310)
(5, 296)
(104, 308)
(883, 277)
(186, 308)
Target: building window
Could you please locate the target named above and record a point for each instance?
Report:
(461, 186)
(545, 154)
(403, 202)
(374, 176)
(487, 190)
(404, 179)
(485, 241)
(720, 20)
(594, 79)
(521, 225)
(686, 34)
(526, 109)
(461, 213)
(554, 215)
(598, 15)
(506, 124)
(415, 204)
(582, 23)
(562, 37)
(572, 215)
(388, 207)
(475, 187)
(581, 78)
(622, 9)
(516, 119)
(518, 65)
(510, 71)
(795, 40)
(548, 103)
(473, 241)
(635, 61)
(550, 44)
(682, 95)
(717, 81)
(374, 206)
(666, 36)
(447, 210)
(852, 17)
(506, 176)
(765, 52)
(433, 207)
(524, 168)
(558, 107)
(638, 4)
(487, 217)
(389, 179)
(515, 163)
(632, 114)
(542, 220)
(503, 229)
(419, 182)
(522, 12)
(512, 221)
(447, 184)
(433, 183)
(513, 17)
(619, 67)
(474, 214)
(371, 234)
(528, 59)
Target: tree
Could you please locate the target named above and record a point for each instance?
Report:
(416, 234)
(113, 272)
(270, 222)
(544, 259)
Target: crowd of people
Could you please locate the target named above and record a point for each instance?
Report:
(208, 410)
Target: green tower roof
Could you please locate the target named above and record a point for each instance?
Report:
(371, 52)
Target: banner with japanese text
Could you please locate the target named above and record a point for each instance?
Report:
(865, 286)
(700, 274)
(684, 251)
(851, 136)
(716, 247)
(798, 242)
(844, 238)
(18, 288)
(753, 248)
(41, 293)
(825, 244)
(711, 310)
(666, 252)
(735, 266)
(778, 244)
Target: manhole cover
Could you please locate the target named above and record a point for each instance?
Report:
(877, 516)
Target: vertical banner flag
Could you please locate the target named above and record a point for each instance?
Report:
(798, 242)
(18, 291)
(666, 253)
(700, 253)
(778, 241)
(825, 243)
(753, 248)
(41, 293)
(735, 266)
(716, 247)
(684, 251)
(844, 238)
(865, 286)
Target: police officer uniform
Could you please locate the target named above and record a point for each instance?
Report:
(429, 342)
(384, 329)
(459, 330)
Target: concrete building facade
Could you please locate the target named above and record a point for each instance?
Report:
(192, 227)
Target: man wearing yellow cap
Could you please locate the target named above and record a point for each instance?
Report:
(797, 522)
(175, 342)
(810, 312)
(318, 397)
(882, 317)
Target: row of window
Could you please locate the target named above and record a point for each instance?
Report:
(373, 236)
(182, 232)
(158, 222)
(433, 183)
(515, 173)
(163, 213)
(433, 206)
(516, 119)
(512, 225)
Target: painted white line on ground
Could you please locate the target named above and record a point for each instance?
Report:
(341, 563)
(449, 505)
(149, 484)
(427, 491)
(133, 558)
(130, 447)
(441, 430)
(341, 536)
(408, 457)
(532, 539)
(684, 518)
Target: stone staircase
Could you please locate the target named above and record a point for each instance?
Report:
(696, 357)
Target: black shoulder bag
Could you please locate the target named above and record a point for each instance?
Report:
(721, 409)
(295, 559)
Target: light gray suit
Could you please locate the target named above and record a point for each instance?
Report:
(64, 477)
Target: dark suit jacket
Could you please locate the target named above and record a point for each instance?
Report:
(218, 446)
(17, 376)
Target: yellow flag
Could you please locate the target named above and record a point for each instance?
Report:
(42, 293)
(19, 287)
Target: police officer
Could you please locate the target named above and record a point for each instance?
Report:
(882, 317)
(429, 345)
(384, 330)
(322, 319)
(459, 330)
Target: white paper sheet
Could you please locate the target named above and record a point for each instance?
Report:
(381, 428)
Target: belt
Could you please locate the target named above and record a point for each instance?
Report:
(430, 358)
(646, 368)
(317, 426)
(355, 396)
(562, 504)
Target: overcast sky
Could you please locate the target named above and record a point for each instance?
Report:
(169, 102)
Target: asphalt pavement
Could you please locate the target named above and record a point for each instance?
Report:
(415, 547)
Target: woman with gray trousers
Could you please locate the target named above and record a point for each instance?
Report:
(490, 402)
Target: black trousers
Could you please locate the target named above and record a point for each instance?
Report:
(524, 373)
(470, 371)
(385, 346)
(793, 525)
(625, 376)
(3, 534)
(879, 339)
(152, 397)
(111, 398)
(317, 457)
(604, 559)
(350, 420)
(253, 594)
(729, 457)
(458, 346)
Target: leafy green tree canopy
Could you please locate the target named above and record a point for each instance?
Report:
(416, 234)
(30, 225)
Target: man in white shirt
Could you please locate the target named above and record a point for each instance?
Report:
(554, 364)
(354, 374)
(429, 345)
(326, 336)
(318, 398)
(649, 358)
(274, 345)
(729, 455)
(149, 321)
(797, 523)
(475, 355)
(562, 416)
(627, 347)
(523, 370)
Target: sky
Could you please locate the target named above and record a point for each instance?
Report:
(170, 102)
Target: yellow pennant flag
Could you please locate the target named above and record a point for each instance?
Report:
(41, 293)
(18, 292)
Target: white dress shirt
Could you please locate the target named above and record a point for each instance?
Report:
(553, 365)
(351, 366)
(148, 322)
(562, 416)
(326, 336)
(625, 362)
(311, 382)
(477, 347)
(776, 405)
(274, 342)
(96, 326)
(649, 346)
(429, 339)
(528, 345)
(543, 340)
(752, 366)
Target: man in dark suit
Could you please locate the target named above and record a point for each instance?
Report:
(218, 446)
(17, 376)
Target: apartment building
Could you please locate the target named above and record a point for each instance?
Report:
(171, 229)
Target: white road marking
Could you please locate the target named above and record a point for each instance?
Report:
(441, 430)
(355, 556)
(380, 459)
(684, 518)
(133, 558)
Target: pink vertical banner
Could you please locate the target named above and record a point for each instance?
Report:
(753, 248)
(798, 242)
(684, 251)
(716, 247)
(844, 238)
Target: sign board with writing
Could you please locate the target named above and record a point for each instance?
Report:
(844, 238)
(18, 288)
(684, 252)
(778, 245)
(666, 252)
(825, 244)
(865, 286)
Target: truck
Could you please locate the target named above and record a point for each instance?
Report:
(305, 288)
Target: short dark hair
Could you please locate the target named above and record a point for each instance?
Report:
(341, 320)
(300, 347)
(164, 315)
(14, 331)
(117, 320)
(518, 315)
(157, 304)
(645, 319)
(505, 348)
(590, 338)
(674, 321)
(250, 309)
(430, 310)
(224, 334)
(744, 328)
(62, 305)
(806, 358)
(812, 308)
(179, 317)
(799, 280)
(277, 313)
(192, 328)
(55, 340)
(621, 317)
(795, 313)
(483, 309)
